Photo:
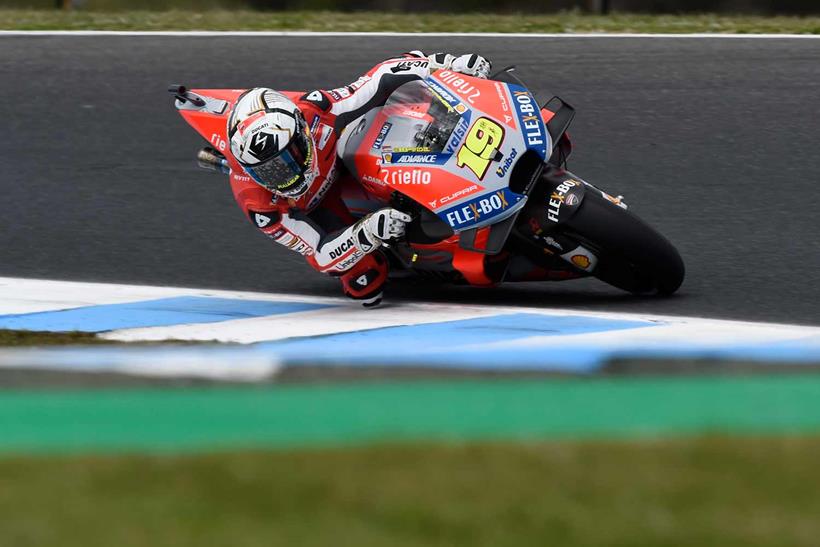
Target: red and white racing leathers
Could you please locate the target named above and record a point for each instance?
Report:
(318, 225)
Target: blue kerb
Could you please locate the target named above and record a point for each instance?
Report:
(151, 313)
(464, 344)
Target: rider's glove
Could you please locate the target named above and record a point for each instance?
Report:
(382, 226)
(472, 64)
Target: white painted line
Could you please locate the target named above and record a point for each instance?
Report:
(349, 318)
(23, 295)
(26, 295)
(298, 34)
(461, 335)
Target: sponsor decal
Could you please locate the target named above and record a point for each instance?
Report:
(218, 142)
(314, 124)
(261, 220)
(385, 129)
(303, 249)
(616, 200)
(442, 94)
(480, 146)
(458, 194)
(393, 157)
(508, 161)
(458, 134)
(581, 258)
(505, 107)
(416, 149)
(343, 247)
(535, 133)
(241, 178)
(582, 261)
(413, 114)
(552, 243)
(325, 132)
(251, 120)
(460, 108)
(457, 83)
(402, 177)
(373, 180)
(404, 66)
(317, 98)
(340, 93)
(558, 198)
(572, 199)
(480, 209)
(348, 262)
(502, 97)
(358, 83)
(416, 158)
(296, 244)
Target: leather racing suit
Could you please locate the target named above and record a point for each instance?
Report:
(318, 225)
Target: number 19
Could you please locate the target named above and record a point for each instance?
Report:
(480, 146)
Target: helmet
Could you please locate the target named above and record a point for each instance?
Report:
(270, 139)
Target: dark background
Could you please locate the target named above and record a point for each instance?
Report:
(713, 141)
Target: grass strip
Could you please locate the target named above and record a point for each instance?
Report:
(564, 22)
(339, 414)
(17, 338)
(746, 492)
(27, 338)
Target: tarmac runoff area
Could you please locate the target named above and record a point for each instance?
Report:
(261, 372)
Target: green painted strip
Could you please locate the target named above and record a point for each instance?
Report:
(289, 416)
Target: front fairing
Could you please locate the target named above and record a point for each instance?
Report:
(449, 143)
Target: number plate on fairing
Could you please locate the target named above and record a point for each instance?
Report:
(451, 142)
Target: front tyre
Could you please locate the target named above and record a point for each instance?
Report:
(631, 255)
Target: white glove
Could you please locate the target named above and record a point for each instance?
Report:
(471, 64)
(377, 228)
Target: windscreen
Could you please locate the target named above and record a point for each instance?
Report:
(419, 118)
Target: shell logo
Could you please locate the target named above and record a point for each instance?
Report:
(581, 261)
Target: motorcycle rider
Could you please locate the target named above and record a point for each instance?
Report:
(288, 152)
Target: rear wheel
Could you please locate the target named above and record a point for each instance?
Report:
(631, 254)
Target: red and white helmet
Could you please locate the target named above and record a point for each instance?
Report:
(271, 140)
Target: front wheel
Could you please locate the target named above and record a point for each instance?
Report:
(632, 255)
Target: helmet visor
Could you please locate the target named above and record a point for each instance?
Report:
(287, 172)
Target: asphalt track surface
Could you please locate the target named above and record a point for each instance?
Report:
(713, 141)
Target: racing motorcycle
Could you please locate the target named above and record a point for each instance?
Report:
(482, 170)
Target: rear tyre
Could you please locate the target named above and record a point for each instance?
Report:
(631, 255)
